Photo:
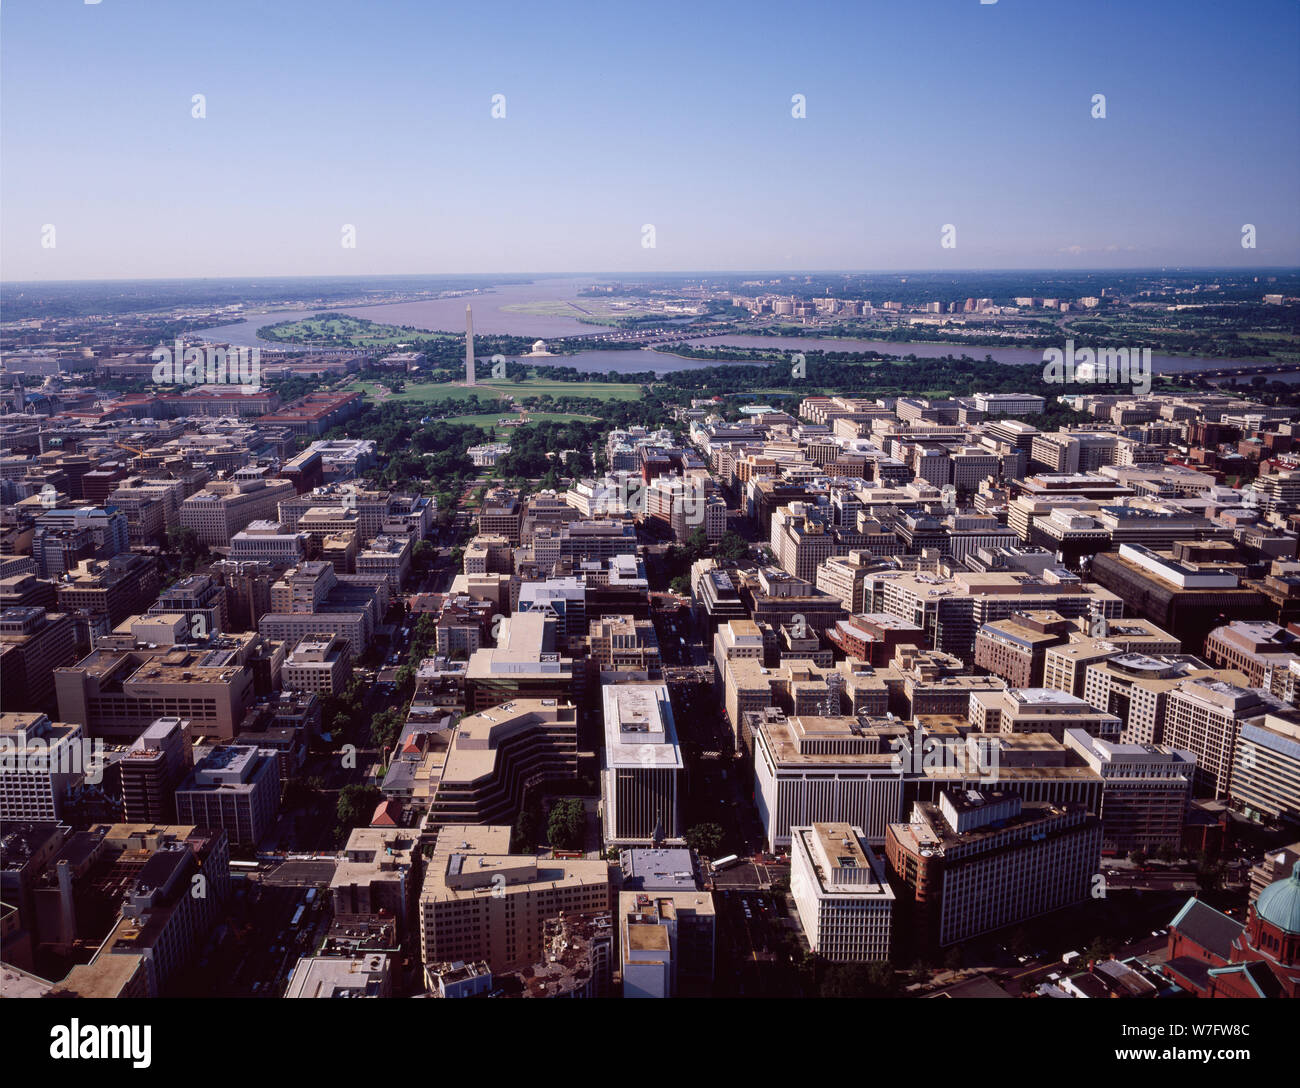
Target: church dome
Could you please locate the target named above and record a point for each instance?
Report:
(1279, 904)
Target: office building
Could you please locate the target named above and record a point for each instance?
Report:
(1039, 710)
(33, 643)
(42, 763)
(480, 902)
(1204, 717)
(497, 753)
(236, 788)
(643, 770)
(322, 664)
(1266, 770)
(153, 769)
(826, 770)
(840, 891)
(977, 861)
(1146, 791)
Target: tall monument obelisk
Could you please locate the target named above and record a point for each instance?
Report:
(469, 346)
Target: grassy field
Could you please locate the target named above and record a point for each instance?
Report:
(355, 332)
(423, 392)
(489, 422)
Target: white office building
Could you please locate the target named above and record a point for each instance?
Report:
(844, 902)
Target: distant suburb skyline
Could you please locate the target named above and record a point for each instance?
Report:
(745, 137)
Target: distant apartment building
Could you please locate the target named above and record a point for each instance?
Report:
(952, 611)
(1065, 666)
(61, 538)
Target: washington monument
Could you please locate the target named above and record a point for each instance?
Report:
(469, 345)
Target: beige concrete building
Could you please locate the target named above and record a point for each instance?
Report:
(624, 642)
(322, 664)
(224, 507)
(118, 694)
(498, 752)
(33, 643)
(1039, 710)
(380, 871)
(480, 902)
(1147, 788)
(825, 770)
(1136, 687)
(1205, 717)
(389, 556)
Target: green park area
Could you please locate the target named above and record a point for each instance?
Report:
(492, 422)
(342, 330)
(426, 392)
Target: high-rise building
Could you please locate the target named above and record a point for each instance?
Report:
(1204, 716)
(154, 766)
(811, 770)
(978, 861)
(1145, 793)
(840, 891)
(1039, 710)
(643, 769)
(1266, 769)
(33, 643)
(43, 763)
(495, 753)
(236, 788)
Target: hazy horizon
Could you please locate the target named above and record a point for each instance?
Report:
(671, 273)
(840, 136)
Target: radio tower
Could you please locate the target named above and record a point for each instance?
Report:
(469, 346)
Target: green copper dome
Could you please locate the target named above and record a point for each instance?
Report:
(1279, 903)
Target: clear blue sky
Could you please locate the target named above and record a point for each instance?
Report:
(377, 114)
